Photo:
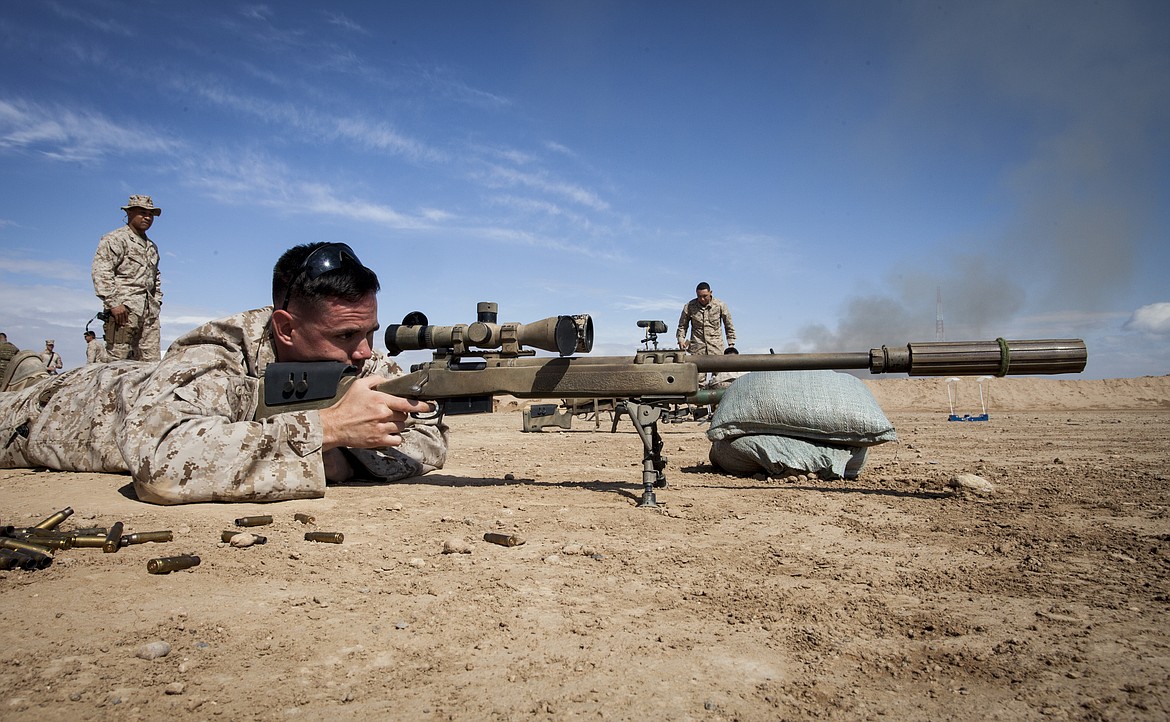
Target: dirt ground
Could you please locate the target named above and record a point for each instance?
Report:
(891, 597)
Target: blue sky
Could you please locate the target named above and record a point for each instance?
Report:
(826, 166)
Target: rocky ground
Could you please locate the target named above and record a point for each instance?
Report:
(892, 597)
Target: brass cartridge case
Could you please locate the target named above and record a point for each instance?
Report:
(24, 549)
(254, 520)
(147, 536)
(90, 541)
(113, 538)
(329, 537)
(304, 518)
(166, 565)
(54, 520)
(227, 535)
(504, 540)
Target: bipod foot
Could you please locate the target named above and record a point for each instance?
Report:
(648, 500)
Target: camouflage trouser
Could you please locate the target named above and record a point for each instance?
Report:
(139, 339)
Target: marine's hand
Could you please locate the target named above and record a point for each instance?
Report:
(366, 418)
(682, 345)
(121, 314)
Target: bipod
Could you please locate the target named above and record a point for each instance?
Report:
(645, 417)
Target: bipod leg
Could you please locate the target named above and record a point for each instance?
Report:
(645, 418)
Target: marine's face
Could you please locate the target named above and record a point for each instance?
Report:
(335, 331)
(704, 296)
(139, 219)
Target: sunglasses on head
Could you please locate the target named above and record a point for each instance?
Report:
(322, 260)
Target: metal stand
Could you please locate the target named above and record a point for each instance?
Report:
(645, 418)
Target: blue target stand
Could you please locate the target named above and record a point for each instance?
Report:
(953, 400)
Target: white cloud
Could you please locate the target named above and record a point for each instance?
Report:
(66, 134)
(1152, 319)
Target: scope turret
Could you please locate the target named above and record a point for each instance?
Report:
(564, 335)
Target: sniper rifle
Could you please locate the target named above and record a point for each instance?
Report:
(473, 362)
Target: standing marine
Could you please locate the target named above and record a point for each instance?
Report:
(127, 280)
(708, 318)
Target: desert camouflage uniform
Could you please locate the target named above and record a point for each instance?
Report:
(706, 337)
(183, 428)
(95, 352)
(7, 351)
(125, 272)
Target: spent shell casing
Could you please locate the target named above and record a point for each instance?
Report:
(24, 559)
(24, 549)
(254, 520)
(89, 541)
(24, 545)
(166, 565)
(54, 520)
(113, 538)
(504, 540)
(329, 537)
(90, 530)
(147, 536)
(51, 542)
(9, 560)
(227, 535)
(304, 518)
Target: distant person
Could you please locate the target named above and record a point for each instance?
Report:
(127, 280)
(7, 351)
(51, 358)
(708, 318)
(95, 351)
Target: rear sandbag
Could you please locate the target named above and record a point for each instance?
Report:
(821, 406)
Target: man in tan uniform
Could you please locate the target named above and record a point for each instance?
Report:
(52, 359)
(95, 351)
(185, 429)
(7, 351)
(126, 279)
(705, 314)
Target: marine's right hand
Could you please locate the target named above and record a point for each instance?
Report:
(121, 314)
(366, 418)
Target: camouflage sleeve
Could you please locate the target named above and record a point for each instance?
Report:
(683, 320)
(728, 325)
(105, 261)
(190, 437)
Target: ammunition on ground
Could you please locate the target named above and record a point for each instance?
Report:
(54, 520)
(254, 520)
(90, 541)
(24, 545)
(504, 540)
(24, 549)
(330, 537)
(166, 565)
(226, 536)
(304, 518)
(32, 532)
(147, 536)
(51, 542)
(113, 538)
(12, 558)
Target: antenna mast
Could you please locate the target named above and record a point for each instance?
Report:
(939, 335)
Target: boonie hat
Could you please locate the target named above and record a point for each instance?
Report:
(50, 342)
(143, 202)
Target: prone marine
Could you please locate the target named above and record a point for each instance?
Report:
(184, 428)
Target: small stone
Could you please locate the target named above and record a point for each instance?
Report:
(509, 476)
(971, 483)
(175, 688)
(243, 539)
(417, 562)
(552, 559)
(571, 549)
(456, 545)
(153, 650)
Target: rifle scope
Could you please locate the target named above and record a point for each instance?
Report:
(564, 335)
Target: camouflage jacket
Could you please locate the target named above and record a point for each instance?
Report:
(125, 271)
(706, 336)
(184, 428)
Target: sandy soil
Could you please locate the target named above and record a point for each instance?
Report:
(888, 598)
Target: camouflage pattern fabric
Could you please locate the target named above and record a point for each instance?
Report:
(184, 428)
(125, 272)
(7, 351)
(706, 334)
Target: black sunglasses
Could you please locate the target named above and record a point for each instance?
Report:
(322, 260)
